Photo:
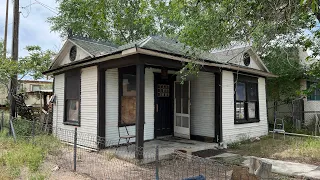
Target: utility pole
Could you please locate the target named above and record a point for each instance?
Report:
(14, 52)
(6, 31)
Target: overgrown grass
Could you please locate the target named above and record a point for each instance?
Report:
(298, 149)
(24, 155)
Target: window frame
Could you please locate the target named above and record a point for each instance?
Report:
(248, 81)
(72, 73)
(315, 95)
(121, 71)
(35, 85)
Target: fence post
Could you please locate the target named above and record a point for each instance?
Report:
(12, 130)
(1, 125)
(33, 131)
(75, 150)
(157, 162)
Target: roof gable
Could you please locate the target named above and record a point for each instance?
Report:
(85, 49)
(235, 56)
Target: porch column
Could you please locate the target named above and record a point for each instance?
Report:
(139, 111)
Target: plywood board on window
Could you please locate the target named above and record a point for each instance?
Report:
(128, 110)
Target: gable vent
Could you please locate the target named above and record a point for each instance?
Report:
(246, 59)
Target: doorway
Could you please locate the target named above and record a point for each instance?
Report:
(182, 109)
(164, 104)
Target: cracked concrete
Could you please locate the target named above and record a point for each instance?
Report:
(291, 168)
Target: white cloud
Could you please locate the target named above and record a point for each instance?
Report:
(34, 30)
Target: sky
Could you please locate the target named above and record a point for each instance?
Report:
(33, 30)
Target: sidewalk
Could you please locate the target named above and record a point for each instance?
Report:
(280, 167)
(291, 168)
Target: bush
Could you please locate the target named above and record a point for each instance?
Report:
(23, 127)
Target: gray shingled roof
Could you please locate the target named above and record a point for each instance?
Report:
(95, 48)
(165, 45)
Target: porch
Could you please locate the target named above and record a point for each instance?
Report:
(142, 96)
(167, 146)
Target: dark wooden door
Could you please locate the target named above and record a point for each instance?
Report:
(163, 111)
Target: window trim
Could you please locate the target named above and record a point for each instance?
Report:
(309, 83)
(65, 120)
(121, 72)
(246, 80)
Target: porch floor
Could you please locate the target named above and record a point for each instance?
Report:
(166, 146)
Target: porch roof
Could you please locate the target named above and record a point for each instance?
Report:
(160, 45)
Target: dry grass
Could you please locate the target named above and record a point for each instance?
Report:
(22, 158)
(297, 149)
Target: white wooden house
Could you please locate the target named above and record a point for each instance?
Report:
(100, 88)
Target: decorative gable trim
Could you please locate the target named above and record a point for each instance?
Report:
(91, 55)
(57, 59)
(258, 59)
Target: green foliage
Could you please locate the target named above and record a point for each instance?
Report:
(119, 21)
(285, 63)
(206, 25)
(33, 64)
(16, 156)
(23, 127)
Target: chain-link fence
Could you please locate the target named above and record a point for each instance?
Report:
(119, 162)
(73, 150)
(79, 151)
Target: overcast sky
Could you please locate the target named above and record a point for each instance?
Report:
(34, 30)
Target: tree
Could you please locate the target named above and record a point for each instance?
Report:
(284, 62)
(205, 24)
(32, 65)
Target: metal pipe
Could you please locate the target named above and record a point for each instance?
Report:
(295, 134)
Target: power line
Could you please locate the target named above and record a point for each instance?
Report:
(37, 2)
(47, 7)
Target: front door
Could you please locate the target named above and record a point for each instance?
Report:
(163, 96)
(182, 109)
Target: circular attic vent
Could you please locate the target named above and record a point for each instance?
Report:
(73, 53)
(246, 59)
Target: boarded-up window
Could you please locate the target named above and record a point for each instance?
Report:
(127, 83)
(72, 97)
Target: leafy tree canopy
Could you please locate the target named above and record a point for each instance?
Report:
(284, 62)
(206, 24)
(32, 65)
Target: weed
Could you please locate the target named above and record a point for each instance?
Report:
(299, 149)
(15, 156)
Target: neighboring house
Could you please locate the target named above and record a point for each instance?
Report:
(31, 88)
(305, 107)
(102, 88)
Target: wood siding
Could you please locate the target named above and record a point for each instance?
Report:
(202, 105)
(88, 106)
(112, 110)
(234, 132)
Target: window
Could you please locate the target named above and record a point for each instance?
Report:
(72, 97)
(36, 88)
(246, 99)
(315, 94)
(127, 94)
